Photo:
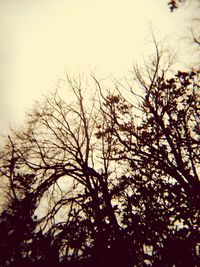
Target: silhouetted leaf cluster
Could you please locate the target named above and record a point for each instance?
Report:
(173, 4)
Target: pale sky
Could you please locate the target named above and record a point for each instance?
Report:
(41, 39)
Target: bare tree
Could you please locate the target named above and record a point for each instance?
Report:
(68, 167)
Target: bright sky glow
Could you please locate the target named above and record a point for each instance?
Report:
(41, 39)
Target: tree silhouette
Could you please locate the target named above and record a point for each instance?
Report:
(160, 140)
(106, 179)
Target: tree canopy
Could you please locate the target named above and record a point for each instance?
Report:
(108, 178)
(112, 180)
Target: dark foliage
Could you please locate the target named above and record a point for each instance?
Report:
(107, 184)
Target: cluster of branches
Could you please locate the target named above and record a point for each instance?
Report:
(110, 181)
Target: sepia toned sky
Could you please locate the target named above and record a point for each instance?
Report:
(42, 39)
